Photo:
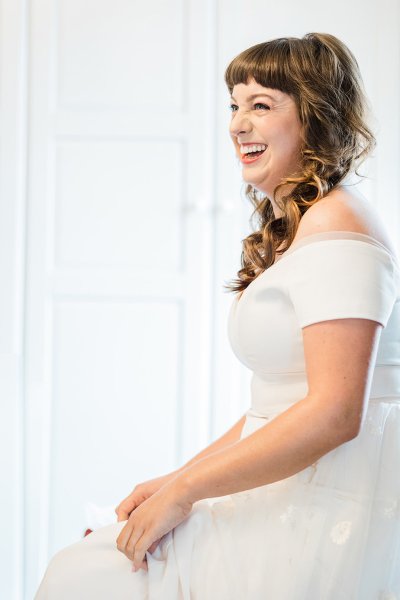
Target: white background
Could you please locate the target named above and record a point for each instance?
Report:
(121, 217)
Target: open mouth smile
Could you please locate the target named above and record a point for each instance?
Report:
(251, 153)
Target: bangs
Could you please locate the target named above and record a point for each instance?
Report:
(269, 63)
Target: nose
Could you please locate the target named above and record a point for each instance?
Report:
(240, 124)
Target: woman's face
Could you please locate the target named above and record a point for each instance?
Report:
(267, 117)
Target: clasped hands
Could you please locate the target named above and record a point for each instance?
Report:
(151, 510)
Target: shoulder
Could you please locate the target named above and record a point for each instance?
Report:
(339, 210)
(344, 210)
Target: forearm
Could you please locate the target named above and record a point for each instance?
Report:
(228, 438)
(288, 444)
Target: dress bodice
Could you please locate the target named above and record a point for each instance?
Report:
(324, 276)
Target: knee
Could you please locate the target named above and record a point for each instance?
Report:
(64, 572)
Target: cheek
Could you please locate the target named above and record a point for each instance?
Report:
(289, 145)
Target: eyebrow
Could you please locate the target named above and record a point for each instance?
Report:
(255, 96)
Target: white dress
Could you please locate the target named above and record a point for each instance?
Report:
(329, 532)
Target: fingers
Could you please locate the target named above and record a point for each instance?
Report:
(127, 540)
(154, 546)
(122, 516)
(134, 544)
(125, 508)
(139, 554)
(144, 566)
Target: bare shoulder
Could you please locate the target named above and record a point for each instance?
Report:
(344, 210)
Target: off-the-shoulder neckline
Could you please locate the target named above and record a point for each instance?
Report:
(334, 235)
(327, 236)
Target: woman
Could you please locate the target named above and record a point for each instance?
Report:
(300, 499)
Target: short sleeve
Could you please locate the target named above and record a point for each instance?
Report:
(342, 278)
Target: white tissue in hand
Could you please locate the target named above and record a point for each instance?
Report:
(99, 516)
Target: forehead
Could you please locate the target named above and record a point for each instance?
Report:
(246, 91)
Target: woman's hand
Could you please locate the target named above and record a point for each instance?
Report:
(155, 517)
(140, 493)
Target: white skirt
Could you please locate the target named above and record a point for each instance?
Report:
(330, 532)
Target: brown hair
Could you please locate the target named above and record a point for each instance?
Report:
(322, 76)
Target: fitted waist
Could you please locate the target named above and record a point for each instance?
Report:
(274, 392)
(385, 382)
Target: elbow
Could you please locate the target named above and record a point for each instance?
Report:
(342, 421)
(351, 434)
(347, 426)
(351, 427)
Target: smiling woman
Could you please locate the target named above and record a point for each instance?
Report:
(297, 501)
(271, 131)
(304, 99)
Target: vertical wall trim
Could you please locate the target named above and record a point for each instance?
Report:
(13, 155)
(212, 169)
(22, 178)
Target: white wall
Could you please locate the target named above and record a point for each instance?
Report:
(121, 217)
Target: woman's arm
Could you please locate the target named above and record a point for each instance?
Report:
(288, 444)
(340, 357)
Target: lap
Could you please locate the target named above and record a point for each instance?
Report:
(93, 568)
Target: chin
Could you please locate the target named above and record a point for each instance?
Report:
(256, 184)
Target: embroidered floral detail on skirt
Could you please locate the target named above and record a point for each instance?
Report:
(340, 532)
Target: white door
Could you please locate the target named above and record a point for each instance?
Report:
(118, 257)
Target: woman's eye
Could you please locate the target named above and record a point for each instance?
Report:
(234, 107)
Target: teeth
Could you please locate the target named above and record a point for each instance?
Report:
(254, 148)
